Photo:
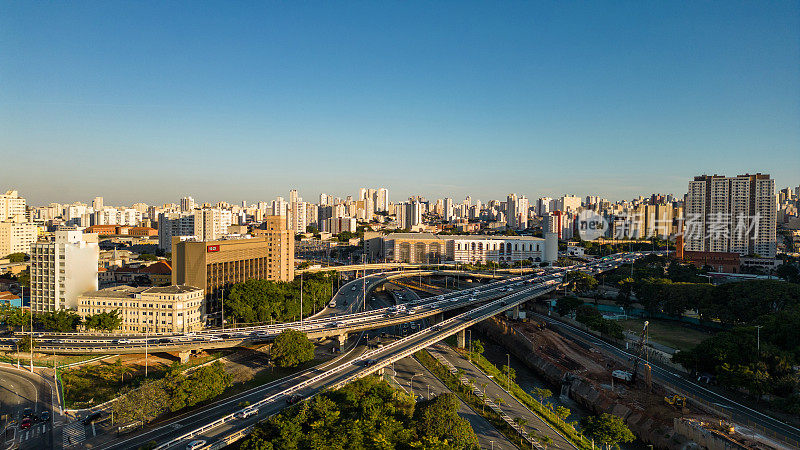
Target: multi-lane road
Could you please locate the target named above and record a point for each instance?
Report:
(24, 397)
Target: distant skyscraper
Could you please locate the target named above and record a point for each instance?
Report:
(382, 203)
(97, 203)
(187, 204)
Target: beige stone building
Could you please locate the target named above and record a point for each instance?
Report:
(167, 309)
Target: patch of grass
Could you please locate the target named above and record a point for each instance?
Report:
(667, 332)
(44, 360)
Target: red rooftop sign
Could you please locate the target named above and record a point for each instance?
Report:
(212, 248)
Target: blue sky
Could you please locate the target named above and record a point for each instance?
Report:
(149, 101)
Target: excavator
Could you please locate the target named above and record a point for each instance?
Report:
(678, 401)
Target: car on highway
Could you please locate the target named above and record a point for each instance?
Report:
(247, 412)
(26, 423)
(195, 444)
(27, 413)
(292, 399)
(369, 362)
(44, 416)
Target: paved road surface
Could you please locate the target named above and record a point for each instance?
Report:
(510, 405)
(488, 436)
(20, 390)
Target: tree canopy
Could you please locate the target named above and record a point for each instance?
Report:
(104, 321)
(264, 301)
(365, 414)
(291, 348)
(607, 429)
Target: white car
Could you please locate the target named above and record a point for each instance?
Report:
(196, 444)
(247, 412)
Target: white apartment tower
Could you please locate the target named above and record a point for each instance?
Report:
(62, 269)
(11, 206)
(173, 224)
(731, 214)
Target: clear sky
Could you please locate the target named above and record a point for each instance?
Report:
(149, 101)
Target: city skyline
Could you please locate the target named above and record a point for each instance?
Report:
(443, 99)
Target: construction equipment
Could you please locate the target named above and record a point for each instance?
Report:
(641, 353)
(677, 401)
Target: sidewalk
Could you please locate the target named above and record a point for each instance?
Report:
(510, 405)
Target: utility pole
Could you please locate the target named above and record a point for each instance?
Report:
(30, 308)
(146, 340)
(758, 338)
(364, 284)
(301, 299)
(508, 372)
(222, 310)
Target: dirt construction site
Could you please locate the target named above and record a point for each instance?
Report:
(653, 411)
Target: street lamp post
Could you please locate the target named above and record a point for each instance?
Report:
(411, 382)
(508, 372)
(301, 299)
(222, 310)
(758, 338)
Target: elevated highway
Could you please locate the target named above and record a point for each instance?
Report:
(325, 326)
(509, 294)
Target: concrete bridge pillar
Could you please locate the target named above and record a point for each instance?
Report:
(515, 313)
(461, 339)
(342, 340)
(183, 355)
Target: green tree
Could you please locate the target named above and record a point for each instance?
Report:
(567, 305)
(17, 257)
(104, 321)
(607, 429)
(62, 320)
(439, 418)
(24, 344)
(477, 347)
(541, 393)
(291, 348)
(144, 404)
(578, 281)
(563, 412)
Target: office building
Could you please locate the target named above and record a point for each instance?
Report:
(217, 264)
(167, 309)
(731, 214)
(62, 269)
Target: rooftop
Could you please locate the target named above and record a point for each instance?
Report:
(128, 291)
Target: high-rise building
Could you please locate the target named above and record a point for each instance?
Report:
(569, 203)
(731, 214)
(17, 237)
(382, 200)
(97, 203)
(173, 224)
(211, 223)
(411, 214)
(62, 269)
(517, 211)
(11, 206)
(187, 204)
